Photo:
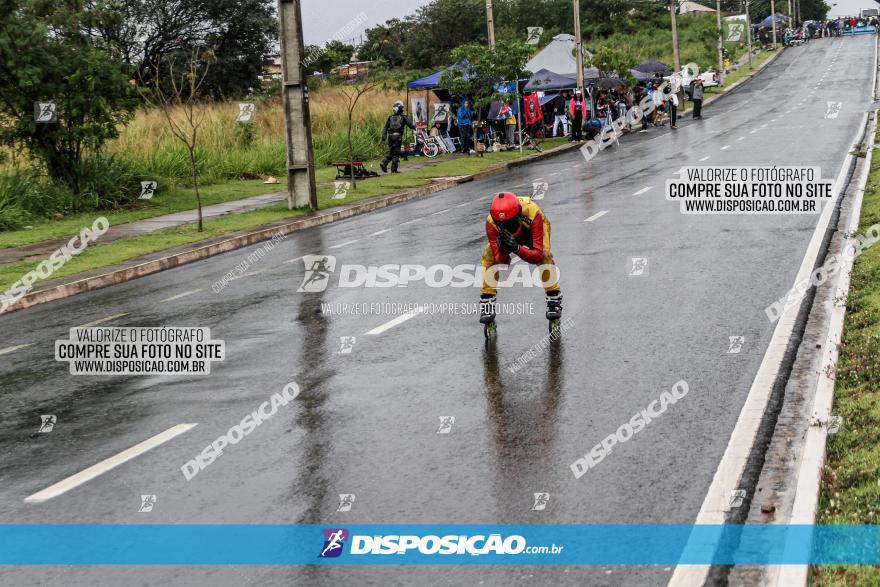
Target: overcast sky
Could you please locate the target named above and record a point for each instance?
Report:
(850, 7)
(323, 19)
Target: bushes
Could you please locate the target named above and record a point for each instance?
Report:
(25, 196)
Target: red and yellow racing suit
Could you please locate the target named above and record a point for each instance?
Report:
(534, 238)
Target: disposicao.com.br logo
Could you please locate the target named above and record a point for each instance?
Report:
(320, 268)
(413, 544)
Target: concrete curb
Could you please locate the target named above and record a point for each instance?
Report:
(146, 265)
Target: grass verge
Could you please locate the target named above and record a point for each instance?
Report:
(98, 255)
(850, 492)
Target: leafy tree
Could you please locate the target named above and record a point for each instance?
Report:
(48, 55)
(241, 32)
(385, 42)
(615, 63)
(484, 66)
(327, 57)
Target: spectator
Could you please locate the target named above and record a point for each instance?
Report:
(644, 93)
(509, 123)
(577, 107)
(659, 99)
(672, 101)
(697, 97)
(436, 130)
(559, 117)
(465, 117)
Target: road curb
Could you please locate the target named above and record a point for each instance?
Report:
(145, 265)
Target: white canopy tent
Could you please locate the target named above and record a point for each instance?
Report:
(694, 8)
(558, 57)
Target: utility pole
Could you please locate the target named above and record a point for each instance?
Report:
(490, 22)
(720, 43)
(578, 45)
(297, 121)
(676, 54)
(773, 22)
(749, 32)
(790, 13)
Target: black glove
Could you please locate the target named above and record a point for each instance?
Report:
(506, 243)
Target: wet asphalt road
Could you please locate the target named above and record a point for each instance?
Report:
(366, 422)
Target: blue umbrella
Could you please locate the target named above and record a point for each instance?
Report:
(768, 22)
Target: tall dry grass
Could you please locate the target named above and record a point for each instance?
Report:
(228, 149)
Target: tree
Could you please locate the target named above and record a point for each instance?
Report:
(325, 58)
(482, 67)
(184, 105)
(47, 55)
(616, 63)
(353, 94)
(385, 42)
(148, 32)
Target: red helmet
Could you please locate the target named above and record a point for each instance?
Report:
(505, 206)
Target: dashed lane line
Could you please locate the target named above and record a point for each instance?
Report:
(182, 295)
(345, 244)
(396, 321)
(102, 320)
(596, 216)
(98, 469)
(12, 349)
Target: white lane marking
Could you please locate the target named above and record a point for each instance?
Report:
(440, 212)
(293, 260)
(399, 320)
(772, 120)
(642, 191)
(725, 147)
(462, 204)
(763, 126)
(243, 275)
(345, 244)
(95, 470)
(102, 320)
(12, 349)
(555, 173)
(410, 221)
(182, 295)
(596, 215)
(733, 462)
(741, 138)
(754, 131)
(378, 232)
(705, 158)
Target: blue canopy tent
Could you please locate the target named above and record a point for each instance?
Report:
(432, 81)
(768, 22)
(545, 80)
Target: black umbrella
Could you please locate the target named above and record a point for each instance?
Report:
(606, 83)
(651, 66)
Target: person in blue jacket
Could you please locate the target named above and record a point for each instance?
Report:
(464, 115)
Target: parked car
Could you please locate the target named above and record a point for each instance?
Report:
(710, 80)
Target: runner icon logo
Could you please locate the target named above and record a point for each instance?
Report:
(47, 423)
(318, 270)
(446, 423)
(334, 541)
(346, 500)
(541, 501)
(147, 503)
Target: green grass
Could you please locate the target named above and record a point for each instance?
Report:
(101, 255)
(850, 491)
(744, 70)
(166, 201)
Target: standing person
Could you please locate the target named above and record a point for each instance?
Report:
(672, 101)
(509, 123)
(697, 97)
(577, 107)
(393, 132)
(559, 117)
(465, 116)
(644, 94)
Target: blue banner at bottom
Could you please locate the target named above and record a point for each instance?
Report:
(33, 544)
